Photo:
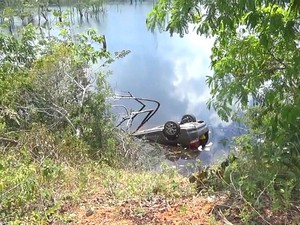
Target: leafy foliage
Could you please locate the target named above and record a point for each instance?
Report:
(255, 62)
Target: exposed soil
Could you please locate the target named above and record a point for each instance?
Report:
(99, 209)
(197, 210)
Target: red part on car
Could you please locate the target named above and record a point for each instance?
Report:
(194, 144)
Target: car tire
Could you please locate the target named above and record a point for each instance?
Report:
(187, 118)
(171, 130)
(203, 142)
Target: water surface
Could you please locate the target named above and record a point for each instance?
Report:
(171, 70)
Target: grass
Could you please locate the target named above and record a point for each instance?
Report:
(33, 191)
(126, 184)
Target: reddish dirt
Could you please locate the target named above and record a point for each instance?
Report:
(99, 209)
(156, 210)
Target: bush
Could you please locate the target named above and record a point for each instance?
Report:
(53, 119)
(52, 84)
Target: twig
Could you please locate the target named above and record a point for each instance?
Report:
(64, 115)
(271, 182)
(83, 94)
(123, 145)
(245, 200)
(226, 221)
(10, 190)
(57, 109)
(8, 140)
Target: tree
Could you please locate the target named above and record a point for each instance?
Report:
(255, 53)
(255, 61)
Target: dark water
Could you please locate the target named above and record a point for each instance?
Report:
(171, 70)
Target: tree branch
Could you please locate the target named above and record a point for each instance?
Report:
(8, 141)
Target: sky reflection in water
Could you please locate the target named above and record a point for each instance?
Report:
(171, 70)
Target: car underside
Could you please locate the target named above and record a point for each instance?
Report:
(188, 132)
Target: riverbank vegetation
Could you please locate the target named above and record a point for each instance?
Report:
(60, 150)
(54, 119)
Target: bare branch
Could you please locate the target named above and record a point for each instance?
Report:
(8, 141)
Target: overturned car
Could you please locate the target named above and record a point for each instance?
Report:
(188, 132)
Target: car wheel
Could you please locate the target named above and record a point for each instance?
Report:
(188, 118)
(204, 139)
(171, 130)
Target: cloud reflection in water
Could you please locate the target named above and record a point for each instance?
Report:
(171, 70)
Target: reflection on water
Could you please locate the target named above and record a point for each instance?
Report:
(171, 70)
